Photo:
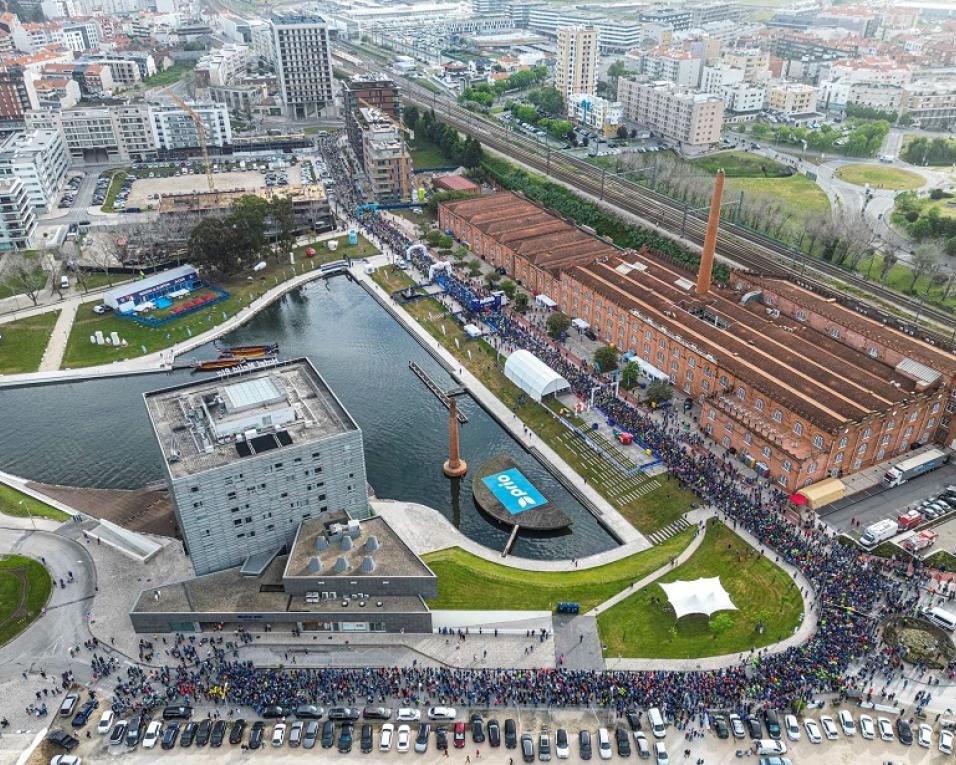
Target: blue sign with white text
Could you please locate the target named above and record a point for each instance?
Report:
(514, 491)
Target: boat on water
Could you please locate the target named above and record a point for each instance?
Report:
(211, 365)
(249, 351)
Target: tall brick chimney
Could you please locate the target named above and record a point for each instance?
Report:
(710, 239)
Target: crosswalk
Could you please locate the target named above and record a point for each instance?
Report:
(667, 532)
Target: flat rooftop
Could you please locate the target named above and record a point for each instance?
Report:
(318, 547)
(213, 422)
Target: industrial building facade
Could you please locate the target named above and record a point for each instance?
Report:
(792, 383)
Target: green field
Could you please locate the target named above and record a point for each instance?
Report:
(468, 582)
(426, 154)
(174, 74)
(22, 342)
(24, 589)
(804, 200)
(643, 624)
(20, 505)
(880, 177)
(116, 183)
(80, 352)
(741, 164)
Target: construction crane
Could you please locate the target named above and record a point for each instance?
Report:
(201, 130)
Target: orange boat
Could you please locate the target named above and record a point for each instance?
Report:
(214, 364)
(249, 351)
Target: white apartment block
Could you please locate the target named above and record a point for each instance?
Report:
(931, 104)
(754, 62)
(688, 119)
(595, 112)
(39, 159)
(101, 133)
(743, 99)
(876, 70)
(43, 35)
(81, 36)
(262, 42)
(576, 65)
(677, 66)
(174, 129)
(303, 64)
(125, 72)
(58, 9)
(613, 36)
(18, 220)
(792, 98)
(221, 66)
(714, 78)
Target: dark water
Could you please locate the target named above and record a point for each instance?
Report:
(96, 433)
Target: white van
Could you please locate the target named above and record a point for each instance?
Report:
(64, 283)
(656, 719)
(941, 618)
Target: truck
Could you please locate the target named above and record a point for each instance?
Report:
(909, 520)
(919, 541)
(911, 467)
(878, 532)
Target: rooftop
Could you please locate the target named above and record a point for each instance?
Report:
(222, 200)
(211, 423)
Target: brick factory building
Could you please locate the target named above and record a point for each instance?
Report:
(795, 384)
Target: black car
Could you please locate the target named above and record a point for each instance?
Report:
(310, 734)
(83, 716)
(309, 712)
(63, 740)
(189, 734)
(772, 721)
(235, 734)
(170, 735)
(177, 712)
(345, 738)
(118, 734)
(494, 732)
(477, 729)
(366, 738)
(561, 739)
(134, 731)
(721, 727)
(511, 733)
(527, 747)
(255, 735)
(328, 734)
(904, 731)
(623, 740)
(634, 719)
(441, 738)
(421, 740)
(584, 744)
(753, 727)
(343, 713)
(376, 713)
(218, 733)
(274, 712)
(203, 732)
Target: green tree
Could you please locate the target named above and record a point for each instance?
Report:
(605, 358)
(521, 302)
(474, 268)
(721, 623)
(659, 391)
(282, 216)
(630, 375)
(622, 132)
(410, 117)
(433, 237)
(548, 99)
(950, 246)
(491, 279)
(559, 128)
(209, 246)
(761, 131)
(510, 288)
(558, 323)
(524, 113)
(460, 253)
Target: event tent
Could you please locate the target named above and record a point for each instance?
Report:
(701, 596)
(533, 376)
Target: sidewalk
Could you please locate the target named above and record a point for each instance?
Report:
(56, 347)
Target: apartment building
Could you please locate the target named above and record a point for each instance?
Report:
(303, 63)
(711, 13)
(124, 72)
(373, 90)
(792, 98)
(221, 66)
(677, 19)
(931, 104)
(17, 94)
(93, 79)
(596, 112)
(576, 63)
(679, 66)
(44, 34)
(615, 35)
(240, 99)
(40, 160)
(754, 61)
(18, 220)
(873, 70)
(689, 119)
(385, 158)
(101, 133)
(81, 35)
(173, 128)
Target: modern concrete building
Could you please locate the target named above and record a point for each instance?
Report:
(595, 112)
(791, 98)
(17, 92)
(18, 221)
(303, 61)
(678, 66)
(385, 158)
(221, 66)
(101, 133)
(576, 65)
(373, 90)
(250, 456)
(689, 119)
(39, 159)
(173, 128)
(675, 18)
(931, 104)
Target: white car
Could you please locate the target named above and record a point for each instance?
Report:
(561, 748)
(385, 742)
(442, 713)
(661, 753)
(813, 731)
(153, 732)
(105, 723)
(886, 729)
(946, 741)
(604, 744)
(867, 729)
(404, 735)
(407, 714)
(829, 727)
(278, 734)
(847, 723)
(793, 728)
(737, 726)
(65, 759)
(924, 735)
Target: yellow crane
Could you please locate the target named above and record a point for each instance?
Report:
(201, 130)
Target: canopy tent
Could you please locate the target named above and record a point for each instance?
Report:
(533, 376)
(579, 324)
(472, 331)
(701, 596)
(544, 300)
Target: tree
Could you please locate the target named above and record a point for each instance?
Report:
(410, 117)
(548, 99)
(472, 153)
(926, 260)
(630, 375)
(614, 73)
(208, 246)
(721, 622)
(23, 275)
(282, 216)
(460, 253)
(622, 132)
(950, 246)
(605, 358)
(509, 288)
(474, 268)
(521, 302)
(659, 391)
(491, 279)
(558, 323)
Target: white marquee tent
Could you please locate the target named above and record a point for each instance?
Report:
(533, 376)
(702, 596)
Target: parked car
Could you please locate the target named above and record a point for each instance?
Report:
(441, 738)
(118, 734)
(63, 740)
(170, 735)
(345, 738)
(218, 733)
(511, 733)
(792, 727)
(377, 713)
(772, 720)
(188, 734)
(134, 731)
(753, 727)
(366, 744)
(477, 729)
(527, 747)
(274, 712)
(68, 707)
(924, 735)
(407, 714)
(494, 733)
(105, 723)
(83, 716)
(442, 713)
(643, 747)
(720, 726)
(829, 727)
(421, 740)
(886, 729)
(309, 712)
(203, 732)
(633, 719)
(311, 734)
(256, 734)
(459, 735)
(328, 734)
(153, 733)
(946, 741)
(737, 726)
(905, 732)
(236, 732)
(584, 744)
(278, 734)
(660, 753)
(623, 742)
(343, 713)
(295, 733)
(847, 723)
(813, 731)
(385, 737)
(403, 737)
(867, 729)
(604, 744)
(561, 748)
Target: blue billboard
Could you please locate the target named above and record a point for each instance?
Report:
(514, 491)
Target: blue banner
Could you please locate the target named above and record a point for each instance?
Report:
(514, 491)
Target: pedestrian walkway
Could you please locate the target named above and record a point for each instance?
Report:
(662, 535)
(56, 346)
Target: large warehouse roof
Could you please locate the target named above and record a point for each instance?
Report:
(533, 376)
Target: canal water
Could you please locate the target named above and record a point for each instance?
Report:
(96, 433)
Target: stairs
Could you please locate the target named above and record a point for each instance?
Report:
(668, 531)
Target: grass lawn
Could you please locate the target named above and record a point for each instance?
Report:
(429, 85)
(799, 194)
(426, 154)
(22, 342)
(942, 560)
(116, 183)
(880, 176)
(99, 279)
(24, 589)
(468, 582)
(80, 352)
(640, 627)
(741, 164)
(650, 512)
(174, 74)
(16, 503)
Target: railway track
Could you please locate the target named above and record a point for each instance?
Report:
(735, 243)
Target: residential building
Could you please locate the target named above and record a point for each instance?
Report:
(576, 64)
(490, 7)
(303, 63)
(81, 34)
(57, 92)
(678, 66)
(676, 18)
(614, 35)
(689, 119)
(742, 100)
(595, 112)
(792, 98)
(262, 41)
(931, 104)
(17, 94)
(713, 12)
(93, 79)
(101, 133)
(240, 99)
(373, 90)
(873, 70)
(754, 61)
(250, 456)
(221, 66)
(124, 72)
(18, 220)
(385, 158)
(39, 159)
(44, 34)
(174, 128)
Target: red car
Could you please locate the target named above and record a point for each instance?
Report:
(459, 735)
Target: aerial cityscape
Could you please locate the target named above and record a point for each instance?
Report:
(478, 380)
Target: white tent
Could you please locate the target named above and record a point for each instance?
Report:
(544, 300)
(702, 596)
(533, 376)
(472, 331)
(579, 324)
